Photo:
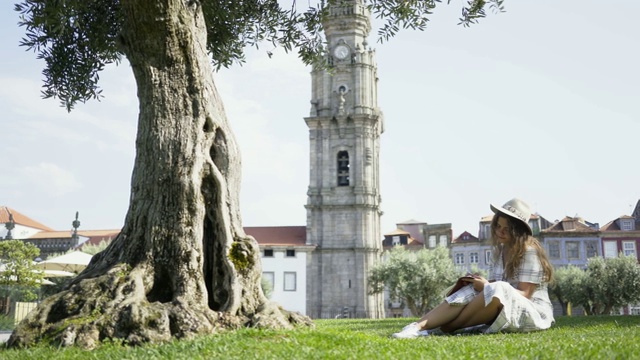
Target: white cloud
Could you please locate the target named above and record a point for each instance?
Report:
(49, 179)
(113, 120)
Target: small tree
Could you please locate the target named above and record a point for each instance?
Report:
(605, 284)
(475, 269)
(416, 278)
(569, 286)
(612, 283)
(17, 277)
(93, 249)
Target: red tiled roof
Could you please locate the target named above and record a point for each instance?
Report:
(610, 226)
(67, 234)
(51, 235)
(460, 239)
(92, 233)
(264, 235)
(614, 225)
(21, 219)
(278, 235)
(563, 225)
(398, 232)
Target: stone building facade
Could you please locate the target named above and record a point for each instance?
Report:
(343, 204)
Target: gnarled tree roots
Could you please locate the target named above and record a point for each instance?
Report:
(115, 306)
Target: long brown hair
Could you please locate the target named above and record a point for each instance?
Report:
(522, 240)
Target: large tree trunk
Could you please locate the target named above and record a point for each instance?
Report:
(182, 264)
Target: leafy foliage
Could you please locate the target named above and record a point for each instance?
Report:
(569, 287)
(94, 249)
(613, 282)
(17, 260)
(415, 278)
(78, 38)
(604, 285)
(475, 10)
(267, 288)
(17, 278)
(402, 14)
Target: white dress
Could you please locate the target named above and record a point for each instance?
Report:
(518, 313)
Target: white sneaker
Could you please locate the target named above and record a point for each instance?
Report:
(408, 332)
(424, 333)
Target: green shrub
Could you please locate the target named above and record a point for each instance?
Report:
(6, 323)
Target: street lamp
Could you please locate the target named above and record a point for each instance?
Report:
(74, 234)
(9, 226)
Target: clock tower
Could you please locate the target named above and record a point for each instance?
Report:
(343, 204)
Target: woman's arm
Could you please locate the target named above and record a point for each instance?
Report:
(478, 283)
(526, 289)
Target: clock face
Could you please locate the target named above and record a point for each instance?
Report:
(341, 51)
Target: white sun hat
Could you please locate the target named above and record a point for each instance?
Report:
(517, 209)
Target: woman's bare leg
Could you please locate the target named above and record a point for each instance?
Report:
(440, 315)
(475, 313)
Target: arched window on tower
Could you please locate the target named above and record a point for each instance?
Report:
(343, 168)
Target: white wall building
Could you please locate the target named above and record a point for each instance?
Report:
(23, 226)
(284, 263)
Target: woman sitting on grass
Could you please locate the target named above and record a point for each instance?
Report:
(515, 301)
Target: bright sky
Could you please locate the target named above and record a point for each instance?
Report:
(541, 102)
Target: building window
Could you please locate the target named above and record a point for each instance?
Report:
(592, 248)
(610, 249)
(487, 257)
(432, 241)
(554, 249)
(626, 225)
(289, 281)
(291, 253)
(473, 258)
(268, 253)
(487, 231)
(459, 258)
(443, 240)
(534, 226)
(269, 277)
(395, 240)
(573, 250)
(343, 168)
(568, 225)
(629, 248)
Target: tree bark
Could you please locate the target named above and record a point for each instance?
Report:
(563, 305)
(182, 264)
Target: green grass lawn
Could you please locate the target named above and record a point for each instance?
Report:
(600, 337)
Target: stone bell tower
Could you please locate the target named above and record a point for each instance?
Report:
(343, 204)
